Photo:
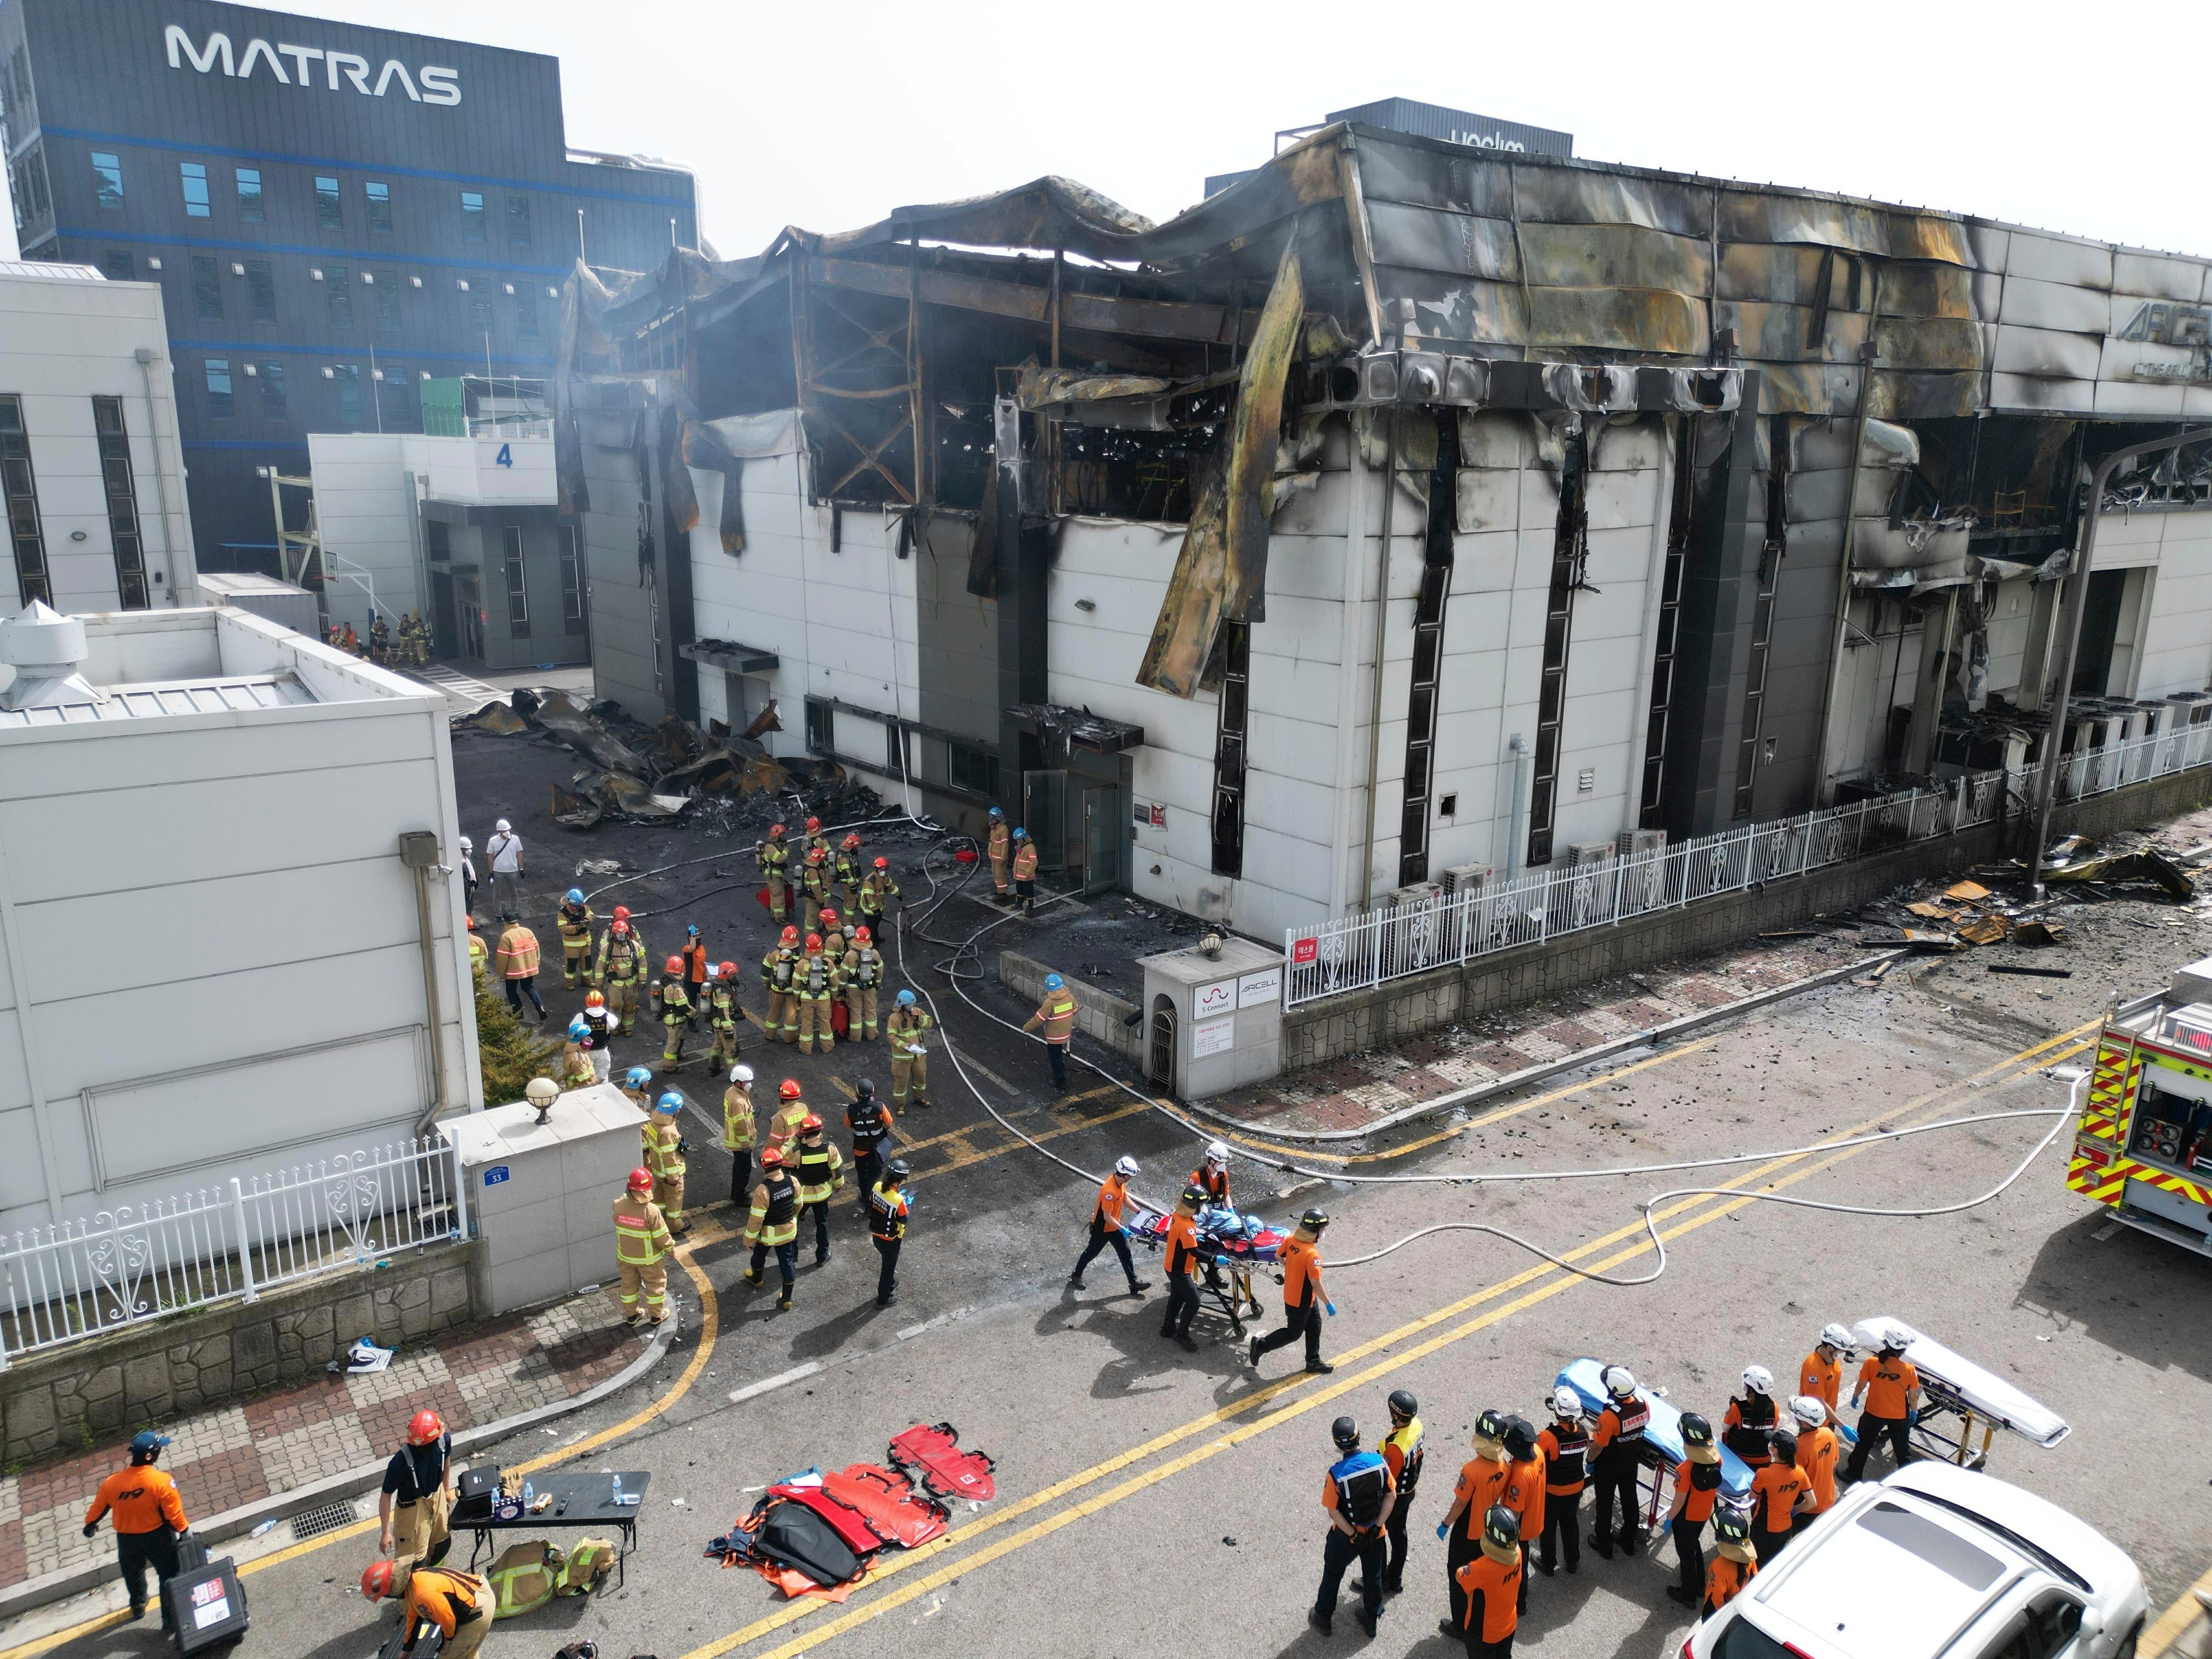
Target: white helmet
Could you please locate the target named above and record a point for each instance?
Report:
(467, 846)
(1620, 1381)
(1216, 1152)
(1897, 1337)
(1125, 1165)
(503, 827)
(741, 1074)
(1566, 1403)
(1758, 1379)
(1838, 1337)
(1808, 1411)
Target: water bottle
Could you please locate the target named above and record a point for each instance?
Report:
(529, 1493)
(618, 1496)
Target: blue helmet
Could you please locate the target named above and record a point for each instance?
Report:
(574, 895)
(1053, 982)
(693, 930)
(637, 1077)
(671, 1103)
(905, 998)
(578, 1027)
(996, 813)
(1021, 834)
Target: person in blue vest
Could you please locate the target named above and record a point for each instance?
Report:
(1359, 1496)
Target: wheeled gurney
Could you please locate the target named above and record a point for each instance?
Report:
(1229, 1246)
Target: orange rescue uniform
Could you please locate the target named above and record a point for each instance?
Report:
(143, 1499)
(1774, 1494)
(1821, 1378)
(1482, 1483)
(1816, 1456)
(1498, 1585)
(1697, 1506)
(1723, 1580)
(1112, 1194)
(1887, 1382)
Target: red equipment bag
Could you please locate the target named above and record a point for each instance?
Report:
(763, 896)
(841, 1018)
(896, 1513)
(847, 1523)
(945, 1469)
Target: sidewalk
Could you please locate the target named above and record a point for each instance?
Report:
(310, 1430)
(1358, 1090)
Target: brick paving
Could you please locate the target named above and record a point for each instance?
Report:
(322, 1426)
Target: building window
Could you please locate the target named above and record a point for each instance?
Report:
(220, 404)
(1422, 694)
(107, 179)
(249, 195)
(572, 581)
(22, 491)
(1229, 745)
(338, 295)
(348, 378)
(192, 175)
(480, 293)
(525, 313)
(517, 222)
(379, 207)
(821, 728)
(118, 266)
(473, 215)
(260, 291)
(518, 594)
(1666, 641)
(974, 768)
(28, 185)
(122, 502)
(207, 288)
(394, 392)
(329, 208)
(387, 289)
(274, 405)
(1570, 555)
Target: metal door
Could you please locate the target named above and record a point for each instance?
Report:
(1044, 815)
(469, 603)
(1160, 1053)
(1105, 810)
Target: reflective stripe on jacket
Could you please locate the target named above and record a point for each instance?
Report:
(518, 952)
(622, 960)
(641, 1236)
(821, 1171)
(574, 924)
(1025, 862)
(1057, 1014)
(740, 1132)
(775, 1217)
(662, 1154)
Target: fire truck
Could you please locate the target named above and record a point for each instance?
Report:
(2143, 1147)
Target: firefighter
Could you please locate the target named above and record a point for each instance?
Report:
(1697, 1488)
(791, 1111)
(1025, 868)
(1617, 1450)
(671, 1005)
(1359, 1497)
(1817, 1445)
(478, 955)
(1779, 1494)
(576, 1072)
(599, 1028)
(417, 1504)
(819, 1168)
(637, 1088)
(1303, 1298)
(1524, 1494)
(874, 891)
(888, 1209)
(720, 1000)
(774, 858)
(834, 943)
(903, 1030)
(846, 867)
(1000, 850)
(815, 887)
(740, 1131)
(621, 970)
(1748, 1427)
(665, 1150)
(864, 976)
(1056, 1016)
(1212, 1176)
(869, 1121)
(1483, 1479)
(460, 1604)
(1890, 1384)
(1106, 1228)
(1489, 1587)
(1566, 1445)
(1734, 1562)
(572, 922)
(774, 1225)
(816, 982)
(697, 970)
(1821, 1375)
(642, 1239)
(518, 965)
(778, 969)
(149, 1519)
(1182, 1243)
(1402, 1451)
(380, 639)
(621, 913)
(817, 838)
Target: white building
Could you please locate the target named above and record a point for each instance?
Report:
(94, 475)
(212, 961)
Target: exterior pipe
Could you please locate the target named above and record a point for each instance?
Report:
(146, 360)
(418, 850)
(2077, 606)
(1381, 627)
(1868, 358)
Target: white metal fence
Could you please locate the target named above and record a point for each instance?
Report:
(63, 1284)
(1394, 941)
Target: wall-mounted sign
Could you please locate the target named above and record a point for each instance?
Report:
(1217, 1038)
(1218, 998)
(497, 1173)
(438, 85)
(1306, 950)
(1264, 987)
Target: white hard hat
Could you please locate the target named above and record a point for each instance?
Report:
(503, 826)
(1758, 1379)
(741, 1074)
(1566, 1402)
(1216, 1151)
(1897, 1337)
(1125, 1165)
(1837, 1336)
(1619, 1380)
(1808, 1411)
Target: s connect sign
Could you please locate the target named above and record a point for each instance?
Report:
(430, 83)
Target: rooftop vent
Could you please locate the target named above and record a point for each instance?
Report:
(45, 649)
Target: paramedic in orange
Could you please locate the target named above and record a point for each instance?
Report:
(1524, 1494)
(1890, 1386)
(1734, 1562)
(1490, 1588)
(1181, 1241)
(149, 1519)
(1106, 1228)
(1778, 1491)
(1483, 1480)
(1821, 1375)
(1303, 1298)
(1697, 1488)
(1817, 1445)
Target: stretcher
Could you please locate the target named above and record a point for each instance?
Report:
(1663, 1443)
(1231, 1245)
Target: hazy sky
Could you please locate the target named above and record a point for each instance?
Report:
(826, 115)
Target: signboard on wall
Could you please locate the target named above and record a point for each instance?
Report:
(1305, 950)
(1217, 1038)
(1218, 998)
(1254, 989)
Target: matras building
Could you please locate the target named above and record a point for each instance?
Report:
(1402, 514)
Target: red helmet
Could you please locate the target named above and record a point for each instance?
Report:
(810, 1125)
(728, 970)
(620, 930)
(675, 965)
(425, 1428)
(472, 924)
(812, 824)
(640, 1180)
(790, 936)
(789, 1089)
(594, 999)
(883, 863)
(862, 936)
(376, 1582)
(774, 830)
(814, 941)
(829, 917)
(772, 1158)
(814, 855)
(622, 913)
(852, 839)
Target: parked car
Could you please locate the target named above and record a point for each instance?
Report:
(1936, 1560)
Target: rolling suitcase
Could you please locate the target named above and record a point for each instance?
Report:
(204, 1602)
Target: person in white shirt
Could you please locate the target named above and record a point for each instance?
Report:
(504, 849)
(468, 875)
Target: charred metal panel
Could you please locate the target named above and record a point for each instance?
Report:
(1927, 290)
(1768, 332)
(1573, 196)
(1451, 308)
(1464, 184)
(1615, 256)
(1929, 342)
(1824, 222)
(1618, 320)
(1434, 239)
(1896, 396)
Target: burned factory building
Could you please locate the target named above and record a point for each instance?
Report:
(1403, 513)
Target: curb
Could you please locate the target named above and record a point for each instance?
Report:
(350, 1483)
(1649, 1037)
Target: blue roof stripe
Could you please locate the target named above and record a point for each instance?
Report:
(362, 255)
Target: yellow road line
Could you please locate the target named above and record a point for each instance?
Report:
(2173, 1623)
(709, 1325)
(807, 1607)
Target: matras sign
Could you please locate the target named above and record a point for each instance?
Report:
(431, 83)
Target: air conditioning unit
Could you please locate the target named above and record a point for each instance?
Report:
(1643, 883)
(1640, 843)
(1466, 879)
(1413, 930)
(1583, 853)
(1419, 893)
(2162, 717)
(2197, 706)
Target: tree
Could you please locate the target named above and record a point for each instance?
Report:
(508, 1053)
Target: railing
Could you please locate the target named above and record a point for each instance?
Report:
(122, 1266)
(1396, 941)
